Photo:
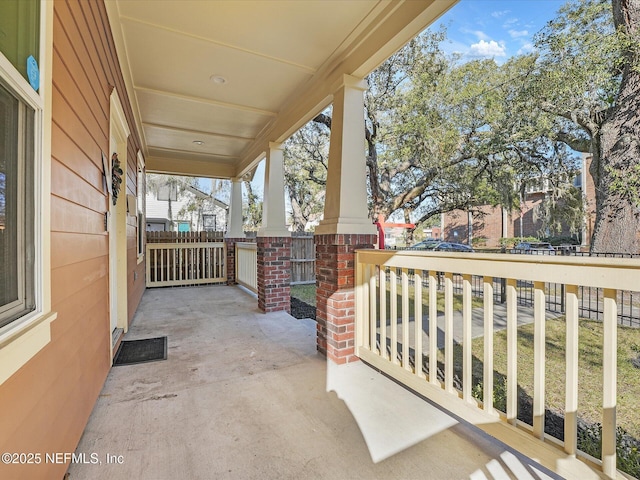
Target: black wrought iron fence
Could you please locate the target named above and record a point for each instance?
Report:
(590, 299)
(590, 302)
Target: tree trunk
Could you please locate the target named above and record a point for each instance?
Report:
(409, 231)
(377, 199)
(616, 166)
(299, 220)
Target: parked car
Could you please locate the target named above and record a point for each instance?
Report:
(461, 247)
(453, 247)
(438, 246)
(429, 244)
(535, 248)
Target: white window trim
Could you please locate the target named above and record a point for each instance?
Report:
(22, 339)
(143, 213)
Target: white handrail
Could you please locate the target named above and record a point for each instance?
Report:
(377, 295)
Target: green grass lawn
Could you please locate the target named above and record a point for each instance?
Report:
(457, 301)
(589, 364)
(589, 384)
(590, 378)
(306, 293)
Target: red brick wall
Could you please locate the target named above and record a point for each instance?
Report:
(436, 232)
(274, 274)
(335, 297)
(489, 224)
(455, 222)
(530, 226)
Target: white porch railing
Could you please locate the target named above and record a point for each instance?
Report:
(387, 337)
(247, 265)
(176, 264)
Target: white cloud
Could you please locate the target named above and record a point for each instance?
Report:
(488, 49)
(500, 13)
(510, 22)
(478, 33)
(526, 48)
(518, 33)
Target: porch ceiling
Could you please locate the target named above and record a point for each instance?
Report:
(237, 75)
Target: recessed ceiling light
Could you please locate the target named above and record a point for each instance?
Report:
(218, 79)
(198, 142)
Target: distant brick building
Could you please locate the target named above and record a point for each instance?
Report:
(433, 232)
(494, 223)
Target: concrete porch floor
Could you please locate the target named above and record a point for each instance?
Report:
(245, 395)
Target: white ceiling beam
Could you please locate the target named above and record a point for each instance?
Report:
(196, 132)
(193, 168)
(206, 101)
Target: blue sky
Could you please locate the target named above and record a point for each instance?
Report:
(495, 29)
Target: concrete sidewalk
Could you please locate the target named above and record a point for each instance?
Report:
(525, 316)
(244, 395)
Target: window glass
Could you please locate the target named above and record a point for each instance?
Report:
(8, 187)
(20, 31)
(16, 207)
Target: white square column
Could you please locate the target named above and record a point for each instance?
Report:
(234, 225)
(273, 211)
(345, 208)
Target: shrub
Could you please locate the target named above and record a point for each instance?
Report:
(555, 241)
(479, 241)
(499, 393)
(510, 242)
(627, 447)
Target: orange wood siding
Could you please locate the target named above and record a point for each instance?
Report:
(46, 404)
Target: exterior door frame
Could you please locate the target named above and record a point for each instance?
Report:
(117, 224)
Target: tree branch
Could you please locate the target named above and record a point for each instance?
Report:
(323, 119)
(578, 144)
(588, 123)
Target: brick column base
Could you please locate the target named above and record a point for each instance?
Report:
(335, 296)
(274, 274)
(231, 257)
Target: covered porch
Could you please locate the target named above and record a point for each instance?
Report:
(249, 395)
(245, 394)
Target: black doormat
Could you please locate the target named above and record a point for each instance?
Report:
(131, 352)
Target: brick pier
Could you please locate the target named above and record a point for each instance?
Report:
(335, 296)
(274, 274)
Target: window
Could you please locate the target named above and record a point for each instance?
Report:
(168, 192)
(20, 131)
(209, 222)
(16, 207)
